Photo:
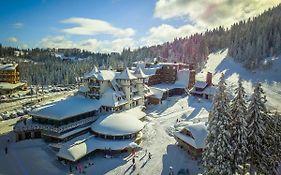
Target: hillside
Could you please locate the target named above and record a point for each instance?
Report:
(219, 62)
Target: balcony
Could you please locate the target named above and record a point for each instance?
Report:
(92, 84)
(31, 126)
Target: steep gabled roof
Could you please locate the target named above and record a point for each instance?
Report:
(126, 75)
(200, 84)
(199, 134)
(92, 72)
(101, 74)
(139, 73)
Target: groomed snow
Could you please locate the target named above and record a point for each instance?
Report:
(219, 62)
(69, 107)
(119, 124)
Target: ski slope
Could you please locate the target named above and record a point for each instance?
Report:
(219, 63)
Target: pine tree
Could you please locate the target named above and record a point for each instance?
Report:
(273, 144)
(239, 128)
(277, 138)
(257, 119)
(218, 154)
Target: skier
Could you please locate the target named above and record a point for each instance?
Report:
(134, 161)
(149, 155)
(6, 150)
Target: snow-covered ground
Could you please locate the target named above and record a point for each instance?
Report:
(271, 79)
(35, 156)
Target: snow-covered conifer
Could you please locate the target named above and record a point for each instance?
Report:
(239, 127)
(218, 154)
(257, 120)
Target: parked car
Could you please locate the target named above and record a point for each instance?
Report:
(13, 115)
(20, 113)
(3, 97)
(5, 116)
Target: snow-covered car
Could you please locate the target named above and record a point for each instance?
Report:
(26, 110)
(13, 115)
(5, 116)
(3, 97)
(20, 113)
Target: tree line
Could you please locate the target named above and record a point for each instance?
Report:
(249, 42)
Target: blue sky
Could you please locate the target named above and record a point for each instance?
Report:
(110, 25)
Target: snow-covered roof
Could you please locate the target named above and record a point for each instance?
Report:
(199, 133)
(200, 84)
(126, 75)
(4, 67)
(110, 98)
(139, 73)
(5, 85)
(92, 72)
(119, 124)
(104, 75)
(158, 93)
(79, 149)
(210, 90)
(69, 107)
(150, 71)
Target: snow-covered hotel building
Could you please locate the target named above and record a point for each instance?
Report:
(108, 108)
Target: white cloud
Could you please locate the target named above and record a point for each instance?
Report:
(165, 32)
(18, 25)
(95, 45)
(24, 46)
(107, 46)
(212, 13)
(12, 39)
(56, 42)
(88, 26)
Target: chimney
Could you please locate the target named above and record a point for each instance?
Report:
(209, 79)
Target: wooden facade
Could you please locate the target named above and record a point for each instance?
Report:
(9, 73)
(194, 152)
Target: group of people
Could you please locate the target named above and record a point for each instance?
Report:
(134, 160)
